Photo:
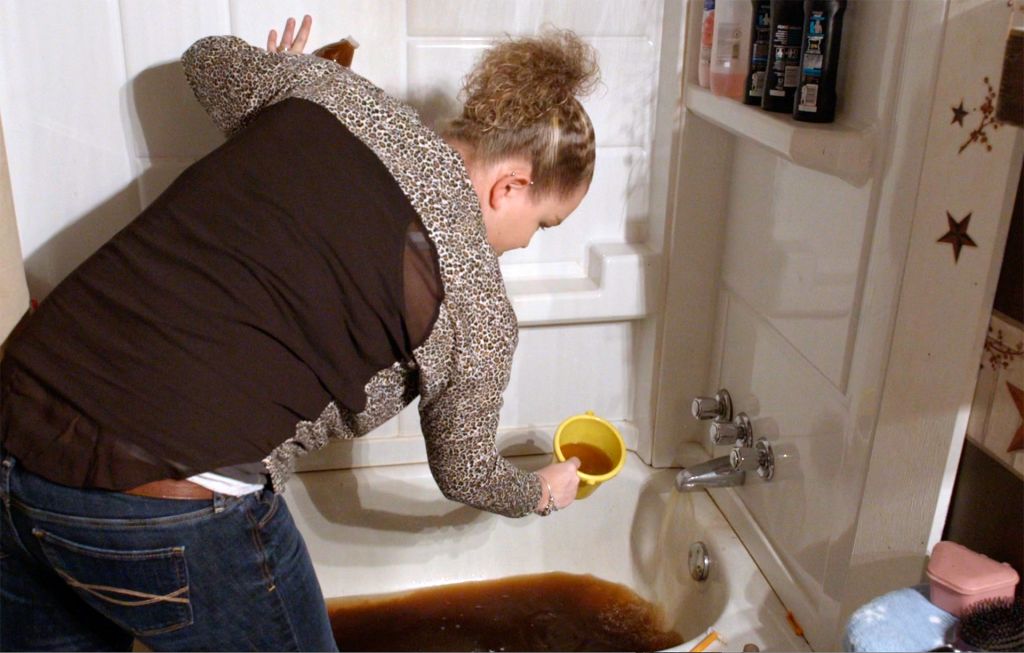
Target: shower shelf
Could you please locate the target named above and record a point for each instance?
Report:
(837, 149)
(613, 287)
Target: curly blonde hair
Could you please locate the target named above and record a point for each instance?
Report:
(521, 99)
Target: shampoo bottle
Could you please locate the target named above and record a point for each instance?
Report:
(819, 60)
(340, 51)
(760, 39)
(707, 31)
(730, 50)
(783, 72)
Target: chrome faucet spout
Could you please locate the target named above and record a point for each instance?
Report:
(717, 472)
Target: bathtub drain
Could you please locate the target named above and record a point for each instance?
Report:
(700, 561)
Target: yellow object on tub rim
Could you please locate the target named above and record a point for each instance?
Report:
(708, 640)
(588, 428)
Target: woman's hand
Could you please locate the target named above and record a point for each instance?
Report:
(562, 480)
(288, 43)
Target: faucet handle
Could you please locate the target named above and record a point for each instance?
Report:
(739, 431)
(758, 458)
(718, 408)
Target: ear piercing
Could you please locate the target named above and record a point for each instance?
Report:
(514, 174)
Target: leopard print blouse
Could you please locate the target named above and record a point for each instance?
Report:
(463, 367)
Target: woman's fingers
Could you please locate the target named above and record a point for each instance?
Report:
(289, 34)
(300, 40)
(290, 41)
(568, 482)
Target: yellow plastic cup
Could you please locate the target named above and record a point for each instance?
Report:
(579, 436)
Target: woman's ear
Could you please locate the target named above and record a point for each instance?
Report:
(513, 186)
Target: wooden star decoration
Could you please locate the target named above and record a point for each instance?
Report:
(959, 113)
(957, 235)
(1017, 443)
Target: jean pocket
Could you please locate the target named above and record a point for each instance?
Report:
(266, 507)
(143, 591)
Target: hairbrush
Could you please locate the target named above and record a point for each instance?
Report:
(992, 625)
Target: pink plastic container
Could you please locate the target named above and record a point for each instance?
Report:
(961, 577)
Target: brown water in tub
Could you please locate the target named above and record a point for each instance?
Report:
(540, 612)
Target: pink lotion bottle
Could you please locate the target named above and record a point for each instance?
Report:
(730, 49)
(707, 27)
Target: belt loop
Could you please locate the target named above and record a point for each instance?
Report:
(6, 467)
(219, 502)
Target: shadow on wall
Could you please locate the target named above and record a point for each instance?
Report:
(435, 107)
(69, 247)
(340, 502)
(165, 119)
(167, 131)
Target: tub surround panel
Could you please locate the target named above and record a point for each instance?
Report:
(615, 210)
(66, 130)
(691, 312)
(561, 359)
(813, 611)
(620, 107)
(378, 25)
(805, 420)
(497, 17)
(396, 449)
(580, 367)
(794, 250)
(14, 299)
(558, 358)
(617, 285)
(166, 121)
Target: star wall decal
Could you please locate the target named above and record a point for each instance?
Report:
(1017, 444)
(959, 113)
(957, 235)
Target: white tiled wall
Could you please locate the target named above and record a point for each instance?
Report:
(62, 75)
(637, 18)
(794, 247)
(809, 439)
(99, 120)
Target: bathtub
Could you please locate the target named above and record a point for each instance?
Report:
(385, 529)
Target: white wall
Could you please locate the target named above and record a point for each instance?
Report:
(99, 120)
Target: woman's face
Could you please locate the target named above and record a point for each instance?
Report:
(514, 226)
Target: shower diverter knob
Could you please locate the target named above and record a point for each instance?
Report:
(759, 457)
(739, 431)
(718, 408)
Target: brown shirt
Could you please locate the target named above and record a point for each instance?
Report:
(282, 291)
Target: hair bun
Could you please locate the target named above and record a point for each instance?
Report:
(521, 81)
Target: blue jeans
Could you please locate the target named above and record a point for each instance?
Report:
(92, 570)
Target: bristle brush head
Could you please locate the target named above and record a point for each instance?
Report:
(992, 625)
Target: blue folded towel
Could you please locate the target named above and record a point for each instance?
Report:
(904, 620)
